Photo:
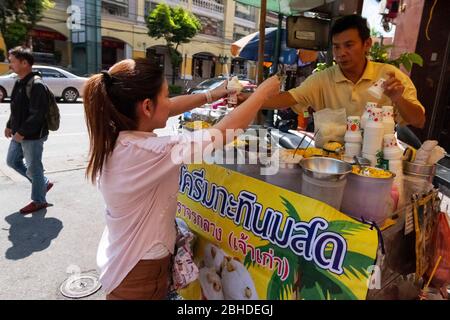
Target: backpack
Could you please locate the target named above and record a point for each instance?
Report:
(52, 116)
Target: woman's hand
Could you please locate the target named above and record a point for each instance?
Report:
(221, 91)
(269, 87)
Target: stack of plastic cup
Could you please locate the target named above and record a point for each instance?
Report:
(353, 138)
(391, 150)
(367, 111)
(373, 136)
(393, 153)
(388, 119)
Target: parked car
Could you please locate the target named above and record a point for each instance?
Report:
(64, 85)
(213, 83)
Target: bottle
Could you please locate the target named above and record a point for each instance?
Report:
(302, 120)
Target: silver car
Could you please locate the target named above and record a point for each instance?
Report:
(63, 84)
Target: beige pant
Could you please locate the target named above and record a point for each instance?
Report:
(148, 280)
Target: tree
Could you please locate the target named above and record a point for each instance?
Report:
(176, 26)
(18, 18)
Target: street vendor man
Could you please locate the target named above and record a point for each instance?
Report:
(346, 84)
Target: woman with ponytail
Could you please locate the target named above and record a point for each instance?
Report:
(138, 172)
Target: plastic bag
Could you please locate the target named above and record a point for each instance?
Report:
(442, 248)
(330, 125)
(184, 269)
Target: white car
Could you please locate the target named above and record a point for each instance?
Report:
(63, 84)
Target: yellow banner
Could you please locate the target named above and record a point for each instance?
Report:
(259, 241)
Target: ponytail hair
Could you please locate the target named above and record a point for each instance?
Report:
(110, 101)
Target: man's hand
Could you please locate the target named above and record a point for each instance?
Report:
(393, 88)
(18, 137)
(8, 133)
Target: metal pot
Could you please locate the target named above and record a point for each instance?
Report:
(322, 168)
(420, 170)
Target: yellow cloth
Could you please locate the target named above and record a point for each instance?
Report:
(331, 89)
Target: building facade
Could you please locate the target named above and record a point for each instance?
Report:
(124, 35)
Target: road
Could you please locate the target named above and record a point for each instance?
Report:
(38, 251)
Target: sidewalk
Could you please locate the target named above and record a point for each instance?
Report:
(38, 250)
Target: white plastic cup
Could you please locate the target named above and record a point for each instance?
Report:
(388, 119)
(376, 89)
(353, 123)
(367, 109)
(352, 149)
(388, 112)
(353, 136)
(389, 140)
(396, 166)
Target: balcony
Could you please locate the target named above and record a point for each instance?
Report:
(209, 8)
(173, 3)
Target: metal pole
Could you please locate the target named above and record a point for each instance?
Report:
(262, 38)
(334, 16)
(276, 56)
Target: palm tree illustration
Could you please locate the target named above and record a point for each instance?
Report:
(308, 281)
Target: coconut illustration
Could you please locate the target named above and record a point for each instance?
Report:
(211, 284)
(213, 257)
(237, 282)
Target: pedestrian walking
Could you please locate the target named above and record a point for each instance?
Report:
(27, 127)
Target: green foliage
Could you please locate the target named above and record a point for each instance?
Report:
(173, 89)
(15, 34)
(176, 26)
(18, 18)
(379, 53)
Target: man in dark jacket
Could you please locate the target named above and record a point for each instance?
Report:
(27, 126)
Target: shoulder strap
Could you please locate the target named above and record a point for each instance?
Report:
(30, 84)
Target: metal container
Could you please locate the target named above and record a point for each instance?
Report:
(362, 161)
(322, 168)
(367, 197)
(419, 169)
(423, 171)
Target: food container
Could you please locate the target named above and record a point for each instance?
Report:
(424, 171)
(327, 191)
(328, 169)
(367, 197)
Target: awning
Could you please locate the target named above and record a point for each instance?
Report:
(287, 7)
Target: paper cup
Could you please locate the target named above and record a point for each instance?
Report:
(353, 123)
(352, 149)
(376, 115)
(389, 140)
(389, 126)
(376, 89)
(367, 110)
(392, 153)
(396, 166)
(388, 112)
(353, 136)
